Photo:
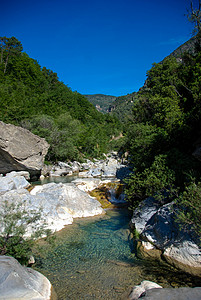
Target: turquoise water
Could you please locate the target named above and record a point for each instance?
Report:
(93, 259)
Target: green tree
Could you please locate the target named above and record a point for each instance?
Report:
(9, 46)
(189, 203)
(156, 181)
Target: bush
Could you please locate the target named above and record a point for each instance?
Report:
(155, 181)
(189, 203)
(16, 225)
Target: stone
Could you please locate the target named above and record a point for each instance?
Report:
(19, 282)
(143, 213)
(63, 202)
(87, 184)
(140, 290)
(60, 172)
(21, 150)
(183, 293)
(185, 256)
(12, 181)
(178, 247)
(59, 204)
(25, 174)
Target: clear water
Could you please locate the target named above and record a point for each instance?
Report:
(93, 259)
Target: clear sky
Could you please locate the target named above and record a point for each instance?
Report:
(97, 46)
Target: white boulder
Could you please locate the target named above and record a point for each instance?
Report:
(20, 283)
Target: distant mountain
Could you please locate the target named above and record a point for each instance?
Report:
(101, 102)
(122, 106)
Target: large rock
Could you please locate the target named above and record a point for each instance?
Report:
(143, 213)
(18, 282)
(162, 234)
(59, 203)
(151, 291)
(21, 150)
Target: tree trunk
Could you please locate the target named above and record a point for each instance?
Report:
(6, 63)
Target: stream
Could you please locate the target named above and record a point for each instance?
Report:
(94, 259)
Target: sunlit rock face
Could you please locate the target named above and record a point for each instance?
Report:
(59, 203)
(63, 202)
(21, 150)
(19, 282)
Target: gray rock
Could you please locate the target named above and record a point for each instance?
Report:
(60, 172)
(183, 293)
(178, 247)
(18, 282)
(25, 174)
(143, 213)
(96, 172)
(21, 150)
(64, 165)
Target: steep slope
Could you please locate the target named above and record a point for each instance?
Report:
(33, 97)
(122, 106)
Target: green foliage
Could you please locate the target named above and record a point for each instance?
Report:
(162, 134)
(101, 101)
(144, 142)
(15, 222)
(189, 203)
(156, 181)
(35, 99)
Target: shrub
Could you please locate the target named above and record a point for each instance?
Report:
(155, 181)
(16, 225)
(189, 202)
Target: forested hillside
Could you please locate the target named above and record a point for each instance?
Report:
(164, 131)
(122, 106)
(34, 98)
(101, 102)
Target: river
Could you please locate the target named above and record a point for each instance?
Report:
(94, 259)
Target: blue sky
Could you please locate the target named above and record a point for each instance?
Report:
(97, 46)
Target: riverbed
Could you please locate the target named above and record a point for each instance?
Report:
(94, 259)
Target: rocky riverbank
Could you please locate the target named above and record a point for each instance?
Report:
(162, 238)
(111, 166)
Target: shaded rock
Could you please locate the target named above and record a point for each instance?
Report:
(122, 172)
(178, 247)
(143, 213)
(21, 150)
(182, 293)
(146, 250)
(18, 282)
